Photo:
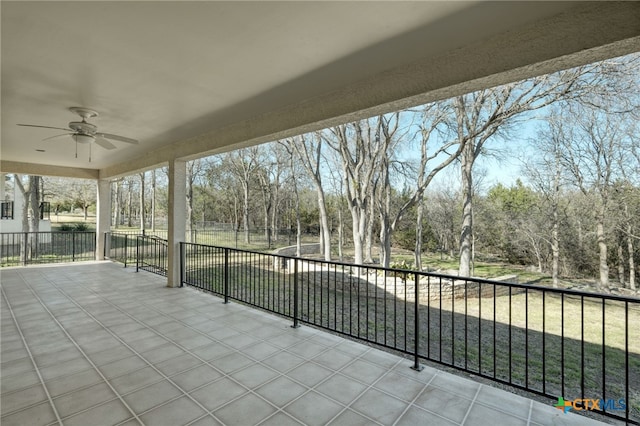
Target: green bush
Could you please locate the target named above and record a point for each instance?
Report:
(66, 227)
(81, 227)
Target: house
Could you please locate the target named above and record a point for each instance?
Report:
(11, 209)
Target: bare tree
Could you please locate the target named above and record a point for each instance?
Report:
(308, 149)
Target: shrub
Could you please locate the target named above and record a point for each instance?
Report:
(81, 227)
(66, 227)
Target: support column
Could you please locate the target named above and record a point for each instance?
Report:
(103, 216)
(177, 218)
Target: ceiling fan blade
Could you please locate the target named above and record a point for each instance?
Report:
(117, 138)
(44, 127)
(105, 143)
(57, 136)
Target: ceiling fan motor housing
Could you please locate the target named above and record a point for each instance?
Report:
(83, 128)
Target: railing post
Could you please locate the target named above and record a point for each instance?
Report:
(416, 325)
(107, 244)
(73, 246)
(137, 253)
(295, 294)
(182, 263)
(126, 251)
(226, 275)
(25, 242)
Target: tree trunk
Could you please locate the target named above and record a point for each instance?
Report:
(621, 265)
(34, 211)
(129, 207)
(555, 249)
(153, 200)
(419, 229)
(632, 266)
(324, 222)
(116, 205)
(245, 211)
(340, 234)
(142, 206)
(368, 244)
(466, 242)
(602, 246)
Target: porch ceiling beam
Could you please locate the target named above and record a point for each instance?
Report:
(47, 170)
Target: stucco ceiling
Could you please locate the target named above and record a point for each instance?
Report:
(190, 77)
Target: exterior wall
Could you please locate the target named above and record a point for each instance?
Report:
(15, 224)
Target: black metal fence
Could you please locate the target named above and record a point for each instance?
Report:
(552, 342)
(27, 248)
(151, 254)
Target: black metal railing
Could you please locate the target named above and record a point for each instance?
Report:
(551, 342)
(151, 254)
(6, 210)
(26, 248)
(121, 247)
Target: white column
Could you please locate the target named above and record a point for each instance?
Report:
(177, 218)
(103, 216)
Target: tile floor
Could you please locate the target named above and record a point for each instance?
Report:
(97, 344)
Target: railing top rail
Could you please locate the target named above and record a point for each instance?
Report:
(153, 237)
(564, 291)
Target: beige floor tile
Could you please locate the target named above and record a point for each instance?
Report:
(73, 382)
(415, 416)
(283, 361)
(247, 410)
(77, 401)
(363, 371)
(481, 415)
(379, 406)
(309, 374)
(41, 414)
(230, 363)
(255, 375)
(281, 391)
(341, 388)
(313, 409)
(135, 380)
(351, 418)
(111, 413)
(446, 404)
(151, 396)
(280, 419)
(218, 393)
(400, 386)
(195, 378)
(17, 400)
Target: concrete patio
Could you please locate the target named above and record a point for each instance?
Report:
(97, 344)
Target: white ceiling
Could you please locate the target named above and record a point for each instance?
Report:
(192, 77)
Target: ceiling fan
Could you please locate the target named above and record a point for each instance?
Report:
(83, 132)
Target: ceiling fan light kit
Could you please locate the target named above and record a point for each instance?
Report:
(83, 132)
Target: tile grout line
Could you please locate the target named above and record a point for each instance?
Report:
(471, 406)
(367, 386)
(530, 412)
(33, 361)
(77, 345)
(415, 398)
